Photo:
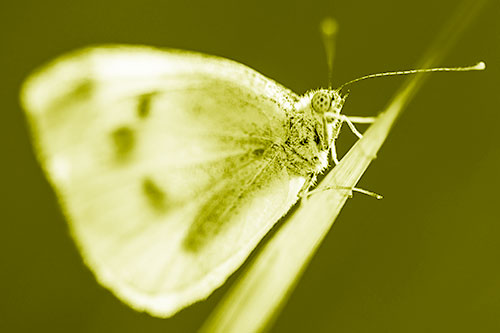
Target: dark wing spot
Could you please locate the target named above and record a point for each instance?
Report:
(258, 152)
(82, 89)
(155, 196)
(144, 105)
(123, 141)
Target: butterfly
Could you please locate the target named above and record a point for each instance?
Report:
(170, 166)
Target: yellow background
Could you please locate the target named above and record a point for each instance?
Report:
(424, 259)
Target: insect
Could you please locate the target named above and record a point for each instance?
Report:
(171, 166)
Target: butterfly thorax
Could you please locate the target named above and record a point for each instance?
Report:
(307, 145)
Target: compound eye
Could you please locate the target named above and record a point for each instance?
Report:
(321, 101)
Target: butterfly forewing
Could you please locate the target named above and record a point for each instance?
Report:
(165, 163)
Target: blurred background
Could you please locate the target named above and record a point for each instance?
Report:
(424, 259)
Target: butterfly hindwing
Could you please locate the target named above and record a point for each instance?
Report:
(165, 164)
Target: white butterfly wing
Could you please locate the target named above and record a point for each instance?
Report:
(165, 165)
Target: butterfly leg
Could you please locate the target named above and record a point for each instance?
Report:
(304, 191)
(334, 154)
(351, 126)
(351, 189)
(351, 121)
(362, 120)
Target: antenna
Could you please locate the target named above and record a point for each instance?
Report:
(328, 28)
(477, 67)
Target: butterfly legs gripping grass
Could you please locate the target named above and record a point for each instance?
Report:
(327, 105)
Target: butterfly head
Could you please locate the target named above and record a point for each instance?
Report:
(327, 101)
